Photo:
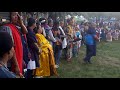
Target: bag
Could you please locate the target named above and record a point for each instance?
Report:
(31, 65)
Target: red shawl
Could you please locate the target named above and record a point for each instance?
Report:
(18, 45)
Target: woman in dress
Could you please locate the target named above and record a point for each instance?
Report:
(46, 57)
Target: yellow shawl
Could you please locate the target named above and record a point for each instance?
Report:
(47, 61)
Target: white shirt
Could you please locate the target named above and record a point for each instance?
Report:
(64, 43)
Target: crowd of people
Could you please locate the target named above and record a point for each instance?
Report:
(35, 50)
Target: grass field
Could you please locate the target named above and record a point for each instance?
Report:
(105, 65)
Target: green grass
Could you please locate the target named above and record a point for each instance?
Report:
(105, 65)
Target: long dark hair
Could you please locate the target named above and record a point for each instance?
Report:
(36, 28)
(10, 13)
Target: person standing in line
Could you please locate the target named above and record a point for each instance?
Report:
(64, 42)
(46, 57)
(69, 33)
(48, 30)
(58, 45)
(33, 46)
(78, 42)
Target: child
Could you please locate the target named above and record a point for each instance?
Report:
(109, 36)
(78, 43)
(116, 34)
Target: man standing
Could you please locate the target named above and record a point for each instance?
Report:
(90, 40)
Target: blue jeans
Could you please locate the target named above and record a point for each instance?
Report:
(58, 52)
